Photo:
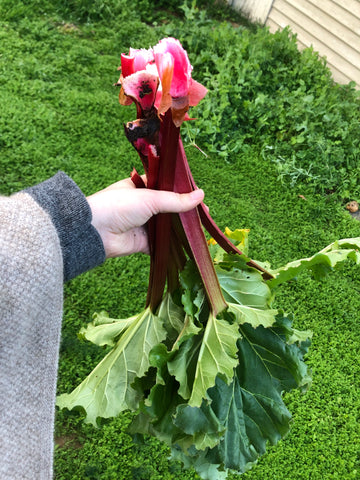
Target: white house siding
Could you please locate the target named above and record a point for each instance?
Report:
(256, 10)
(332, 27)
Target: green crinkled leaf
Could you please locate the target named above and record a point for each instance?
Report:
(321, 263)
(300, 336)
(251, 408)
(193, 296)
(201, 426)
(199, 360)
(108, 388)
(183, 364)
(203, 356)
(165, 415)
(254, 316)
(158, 410)
(155, 416)
(200, 463)
(239, 237)
(244, 287)
(181, 361)
(104, 330)
(217, 356)
(173, 317)
(189, 330)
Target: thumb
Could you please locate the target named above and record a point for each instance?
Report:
(170, 202)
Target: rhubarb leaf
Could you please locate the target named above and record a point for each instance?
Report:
(104, 330)
(157, 410)
(240, 239)
(156, 419)
(108, 388)
(193, 296)
(244, 287)
(165, 415)
(183, 364)
(173, 317)
(251, 407)
(202, 357)
(253, 316)
(201, 426)
(199, 462)
(321, 263)
(217, 356)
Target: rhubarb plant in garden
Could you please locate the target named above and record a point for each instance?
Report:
(205, 365)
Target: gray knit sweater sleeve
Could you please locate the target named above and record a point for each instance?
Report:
(31, 296)
(46, 236)
(69, 210)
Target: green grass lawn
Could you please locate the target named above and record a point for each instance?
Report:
(283, 159)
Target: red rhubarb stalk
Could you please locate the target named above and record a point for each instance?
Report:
(159, 82)
(196, 238)
(210, 225)
(165, 173)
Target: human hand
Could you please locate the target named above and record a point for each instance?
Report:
(120, 212)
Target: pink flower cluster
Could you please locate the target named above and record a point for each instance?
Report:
(160, 77)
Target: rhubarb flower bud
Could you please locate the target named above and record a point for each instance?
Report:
(142, 58)
(181, 78)
(169, 62)
(174, 70)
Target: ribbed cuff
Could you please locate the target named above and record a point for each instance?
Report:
(70, 212)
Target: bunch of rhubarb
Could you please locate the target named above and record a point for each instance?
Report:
(205, 364)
